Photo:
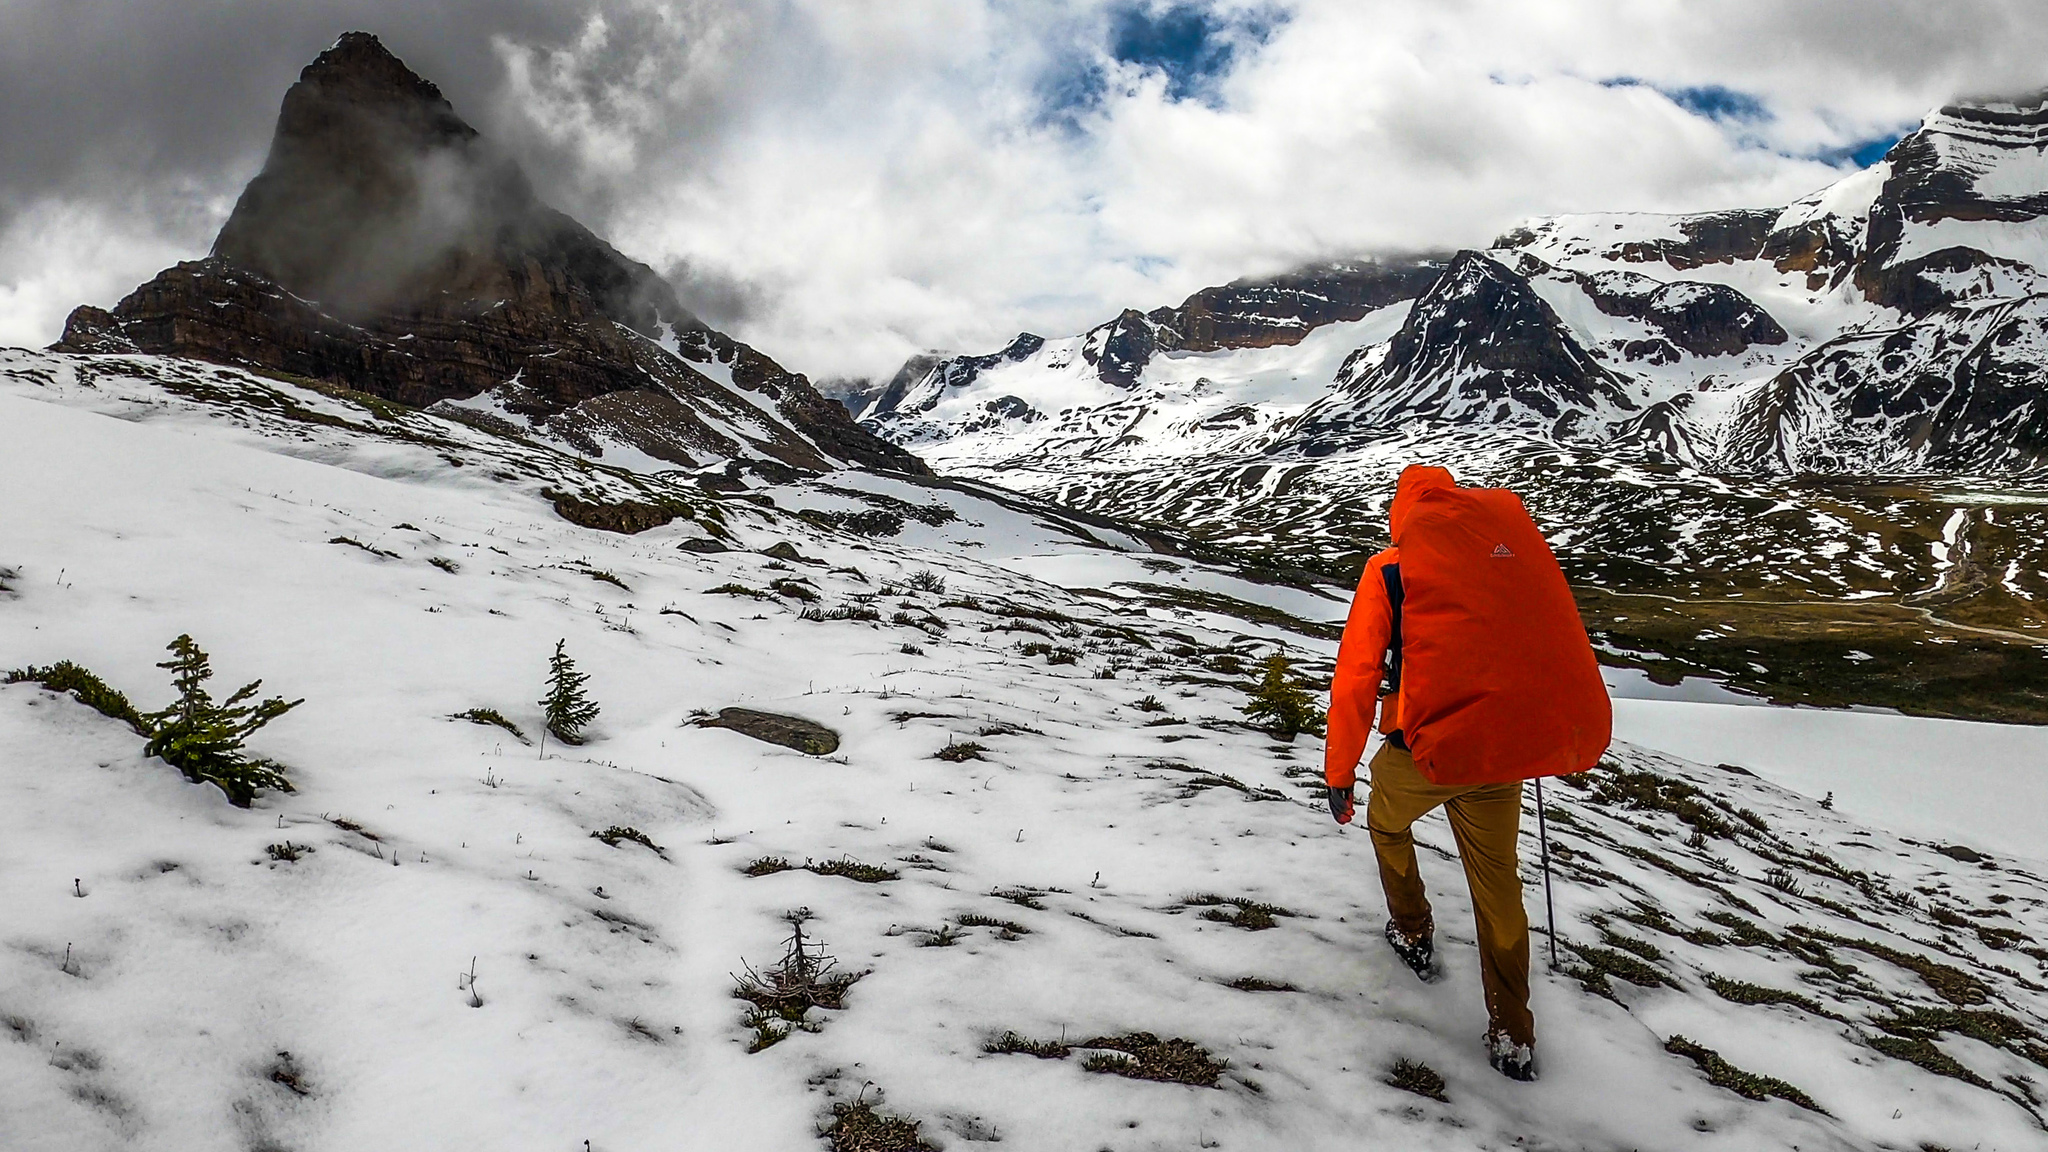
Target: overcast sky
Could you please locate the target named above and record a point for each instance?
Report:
(843, 182)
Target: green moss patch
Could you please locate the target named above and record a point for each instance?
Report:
(858, 1127)
(1748, 1085)
(1417, 1077)
(1143, 1056)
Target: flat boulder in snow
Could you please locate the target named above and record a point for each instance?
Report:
(807, 737)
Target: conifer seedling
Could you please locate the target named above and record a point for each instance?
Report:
(203, 739)
(567, 708)
(1281, 703)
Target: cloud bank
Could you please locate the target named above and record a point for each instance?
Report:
(845, 184)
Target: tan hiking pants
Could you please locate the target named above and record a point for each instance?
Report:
(1485, 819)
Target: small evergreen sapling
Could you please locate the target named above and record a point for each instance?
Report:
(567, 709)
(203, 739)
(1282, 704)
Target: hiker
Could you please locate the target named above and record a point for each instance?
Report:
(1489, 680)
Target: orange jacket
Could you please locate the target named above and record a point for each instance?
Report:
(1355, 689)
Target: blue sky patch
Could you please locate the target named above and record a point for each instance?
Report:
(1192, 43)
(1862, 153)
(1715, 102)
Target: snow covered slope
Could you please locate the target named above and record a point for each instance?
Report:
(453, 960)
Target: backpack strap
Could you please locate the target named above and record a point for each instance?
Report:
(1391, 574)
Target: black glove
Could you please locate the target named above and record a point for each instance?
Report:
(1340, 804)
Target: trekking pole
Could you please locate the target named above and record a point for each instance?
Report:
(1549, 907)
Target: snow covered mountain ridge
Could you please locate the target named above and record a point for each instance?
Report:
(1891, 323)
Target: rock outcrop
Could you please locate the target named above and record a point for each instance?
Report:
(1480, 346)
(1698, 316)
(1260, 313)
(806, 736)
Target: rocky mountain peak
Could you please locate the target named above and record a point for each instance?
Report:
(388, 247)
(376, 193)
(359, 72)
(1485, 327)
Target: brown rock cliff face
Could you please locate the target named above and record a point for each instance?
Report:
(386, 246)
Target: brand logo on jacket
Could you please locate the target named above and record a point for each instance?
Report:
(1502, 550)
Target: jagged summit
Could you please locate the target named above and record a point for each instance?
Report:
(1479, 345)
(372, 182)
(388, 247)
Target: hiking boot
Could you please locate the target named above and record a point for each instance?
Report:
(1419, 953)
(1512, 1060)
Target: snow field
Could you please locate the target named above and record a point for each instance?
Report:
(605, 973)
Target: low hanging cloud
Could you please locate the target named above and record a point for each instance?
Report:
(844, 185)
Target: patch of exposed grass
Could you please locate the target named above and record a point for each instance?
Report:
(1950, 983)
(731, 589)
(1178, 597)
(925, 580)
(604, 577)
(853, 869)
(445, 564)
(1143, 1056)
(288, 852)
(1748, 1085)
(1741, 931)
(1642, 948)
(1742, 992)
(1601, 963)
(1649, 791)
(843, 612)
(960, 751)
(1011, 1044)
(1657, 920)
(1248, 914)
(347, 825)
(872, 522)
(1054, 654)
(90, 690)
(1994, 1028)
(493, 717)
(1021, 897)
(1784, 880)
(1417, 1077)
(1005, 929)
(355, 543)
(1256, 984)
(1922, 1051)
(857, 1127)
(1964, 675)
(1196, 784)
(620, 833)
(767, 866)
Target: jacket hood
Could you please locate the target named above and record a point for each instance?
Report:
(1416, 480)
